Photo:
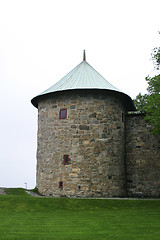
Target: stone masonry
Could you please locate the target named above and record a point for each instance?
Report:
(109, 153)
(93, 138)
(88, 145)
(142, 158)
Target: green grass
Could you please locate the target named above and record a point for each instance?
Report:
(23, 217)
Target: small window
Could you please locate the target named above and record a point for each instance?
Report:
(63, 114)
(61, 184)
(66, 159)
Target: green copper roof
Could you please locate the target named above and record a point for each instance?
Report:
(83, 76)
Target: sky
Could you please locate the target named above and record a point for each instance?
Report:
(41, 41)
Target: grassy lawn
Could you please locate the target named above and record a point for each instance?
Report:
(23, 217)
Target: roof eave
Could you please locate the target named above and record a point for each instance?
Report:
(125, 98)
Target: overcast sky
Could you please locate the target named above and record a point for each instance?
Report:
(41, 41)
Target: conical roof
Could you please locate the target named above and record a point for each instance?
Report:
(83, 76)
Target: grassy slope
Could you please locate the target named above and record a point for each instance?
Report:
(25, 217)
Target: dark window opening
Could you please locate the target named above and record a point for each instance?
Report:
(63, 114)
(79, 187)
(61, 184)
(66, 159)
(123, 117)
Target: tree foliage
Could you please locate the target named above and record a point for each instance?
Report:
(152, 106)
(140, 102)
(150, 103)
(156, 57)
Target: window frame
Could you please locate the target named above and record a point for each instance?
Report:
(64, 109)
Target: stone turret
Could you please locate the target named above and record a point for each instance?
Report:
(81, 136)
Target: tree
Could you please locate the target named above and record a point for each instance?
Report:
(140, 102)
(150, 103)
(156, 56)
(152, 106)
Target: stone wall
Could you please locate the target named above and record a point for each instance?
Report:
(93, 137)
(142, 159)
